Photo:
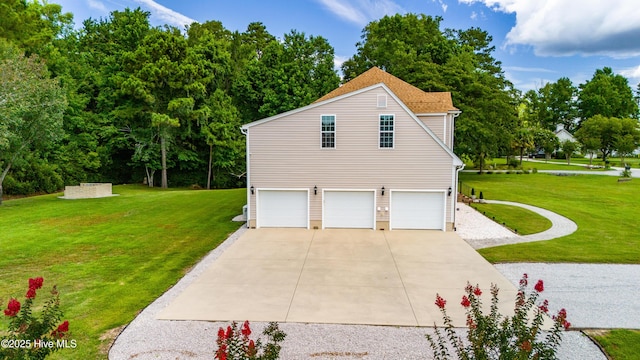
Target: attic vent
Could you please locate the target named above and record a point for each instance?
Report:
(382, 101)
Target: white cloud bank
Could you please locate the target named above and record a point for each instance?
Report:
(163, 13)
(571, 27)
(361, 12)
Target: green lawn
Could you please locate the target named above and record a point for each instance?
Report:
(606, 213)
(553, 164)
(520, 220)
(608, 228)
(110, 257)
(620, 344)
(633, 161)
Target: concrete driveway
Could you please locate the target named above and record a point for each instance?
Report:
(341, 276)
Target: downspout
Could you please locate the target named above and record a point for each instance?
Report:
(245, 132)
(458, 169)
(453, 126)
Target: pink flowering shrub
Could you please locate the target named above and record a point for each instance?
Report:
(30, 336)
(235, 344)
(494, 336)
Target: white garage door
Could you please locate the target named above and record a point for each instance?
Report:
(417, 210)
(282, 208)
(349, 209)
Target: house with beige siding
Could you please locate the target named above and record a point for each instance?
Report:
(375, 153)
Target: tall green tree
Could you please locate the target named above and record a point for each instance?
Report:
(569, 148)
(164, 77)
(553, 104)
(32, 24)
(546, 140)
(563, 104)
(523, 141)
(105, 114)
(608, 133)
(607, 94)
(289, 74)
(31, 107)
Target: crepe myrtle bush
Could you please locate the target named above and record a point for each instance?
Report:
(494, 336)
(235, 344)
(30, 336)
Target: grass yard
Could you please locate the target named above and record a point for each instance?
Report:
(620, 344)
(613, 161)
(520, 220)
(606, 213)
(553, 164)
(110, 257)
(608, 228)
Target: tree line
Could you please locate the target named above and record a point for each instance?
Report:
(119, 100)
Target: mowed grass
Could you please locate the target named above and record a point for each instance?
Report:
(519, 220)
(109, 257)
(553, 164)
(605, 211)
(621, 344)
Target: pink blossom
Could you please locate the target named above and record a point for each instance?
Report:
(31, 293)
(246, 331)
(440, 302)
(12, 308)
(465, 301)
(545, 306)
(36, 283)
(523, 281)
(539, 286)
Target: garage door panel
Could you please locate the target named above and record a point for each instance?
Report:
(349, 209)
(417, 210)
(282, 208)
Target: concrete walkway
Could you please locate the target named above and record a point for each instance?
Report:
(561, 226)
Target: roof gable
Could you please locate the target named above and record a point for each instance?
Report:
(418, 101)
(349, 94)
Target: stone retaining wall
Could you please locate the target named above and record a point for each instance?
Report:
(88, 191)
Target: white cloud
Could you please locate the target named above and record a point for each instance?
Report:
(633, 74)
(360, 12)
(98, 5)
(163, 13)
(339, 60)
(443, 5)
(569, 27)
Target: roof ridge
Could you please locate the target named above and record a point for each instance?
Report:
(416, 99)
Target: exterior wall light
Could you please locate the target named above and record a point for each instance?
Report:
(382, 191)
(449, 192)
(252, 190)
(315, 190)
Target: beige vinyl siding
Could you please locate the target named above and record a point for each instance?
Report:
(437, 124)
(286, 153)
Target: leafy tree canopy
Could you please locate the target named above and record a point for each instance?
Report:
(607, 94)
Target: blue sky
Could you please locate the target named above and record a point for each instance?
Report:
(537, 41)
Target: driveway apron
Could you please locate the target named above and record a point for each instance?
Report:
(339, 276)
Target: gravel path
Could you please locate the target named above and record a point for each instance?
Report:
(148, 338)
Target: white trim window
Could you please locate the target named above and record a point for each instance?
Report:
(386, 131)
(328, 131)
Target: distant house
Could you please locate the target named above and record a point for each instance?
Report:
(563, 134)
(375, 153)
